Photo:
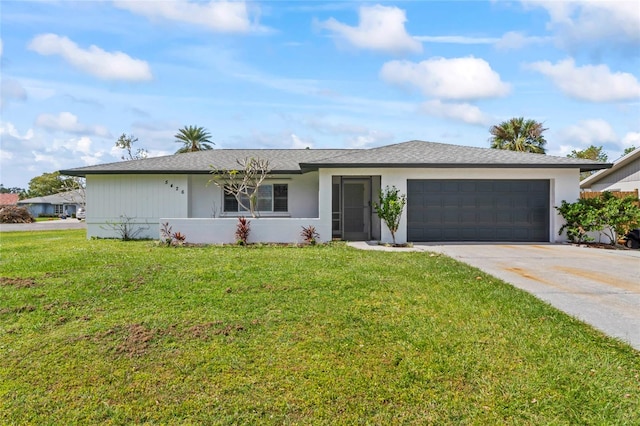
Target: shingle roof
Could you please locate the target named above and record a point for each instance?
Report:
(9, 199)
(69, 197)
(406, 154)
(432, 154)
(280, 161)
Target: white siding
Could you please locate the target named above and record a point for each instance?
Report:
(626, 178)
(143, 198)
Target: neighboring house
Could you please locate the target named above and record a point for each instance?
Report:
(454, 193)
(9, 199)
(60, 204)
(623, 176)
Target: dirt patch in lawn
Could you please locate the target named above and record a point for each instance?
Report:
(136, 340)
(18, 310)
(18, 282)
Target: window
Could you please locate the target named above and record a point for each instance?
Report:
(58, 209)
(271, 198)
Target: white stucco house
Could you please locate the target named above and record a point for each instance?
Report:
(623, 176)
(454, 193)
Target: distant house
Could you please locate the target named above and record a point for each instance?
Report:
(623, 176)
(60, 204)
(9, 199)
(454, 193)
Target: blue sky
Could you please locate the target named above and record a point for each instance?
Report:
(297, 74)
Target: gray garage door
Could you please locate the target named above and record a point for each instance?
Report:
(478, 210)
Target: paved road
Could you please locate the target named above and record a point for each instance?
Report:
(600, 287)
(44, 226)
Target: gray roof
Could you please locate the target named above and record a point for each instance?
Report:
(281, 161)
(69, 197)
(432, 154)
(406, 154)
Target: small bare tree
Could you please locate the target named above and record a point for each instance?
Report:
(244, 182)
(125, 142)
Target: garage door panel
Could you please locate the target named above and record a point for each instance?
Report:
(484, 186)
(478, 210)
(503, 202)
(484, 202)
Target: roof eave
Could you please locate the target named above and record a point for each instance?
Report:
(84, 173)
(582, 166)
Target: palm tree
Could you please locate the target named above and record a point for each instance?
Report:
(518, 134)
(193, 139)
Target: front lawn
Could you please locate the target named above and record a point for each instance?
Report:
(104, 331)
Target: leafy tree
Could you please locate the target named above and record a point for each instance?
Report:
(244, 182)
(126, 142)
(48, 184)
(193, 139)
(390, 208)
(518, 134)
(14, 190)
(593, 152)
(75, 190)
(628, 150)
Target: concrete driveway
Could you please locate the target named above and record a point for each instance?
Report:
(600, 287)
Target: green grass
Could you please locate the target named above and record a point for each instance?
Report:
(110, 332)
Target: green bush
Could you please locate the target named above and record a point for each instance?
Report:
(606, 214)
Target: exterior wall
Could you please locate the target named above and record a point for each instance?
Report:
(263, 229)
(143, 198)
(627, 178)
(149, 199)
(206, 201)
(41, 209)
(153, 199)
(564, 186)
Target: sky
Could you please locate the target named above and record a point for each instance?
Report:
(75, 75)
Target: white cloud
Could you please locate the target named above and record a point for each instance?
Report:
(457, 39)
(81, 145)
(53, 160)
(67, 122)
(7, 129)
(297, 143)
(457, 78)
(595, 83)
(94, 60)
(5, 155)
(456, 111)
(380, 28)
(509, 41)
(588, 132)
(220, 16)
(517, 40)
(602, 23)
(11, 90)
(631, 139)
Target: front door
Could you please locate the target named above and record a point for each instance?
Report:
(356, 204)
